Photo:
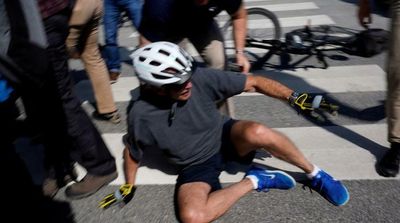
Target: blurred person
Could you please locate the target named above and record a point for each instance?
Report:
(112, 16)
(82, 42)
(88, 148)
(24, 53)
(20, 184)
(388, 165)
(21, 36)
(174, 20)
(174, 112)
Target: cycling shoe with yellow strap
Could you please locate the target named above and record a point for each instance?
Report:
(121, 196)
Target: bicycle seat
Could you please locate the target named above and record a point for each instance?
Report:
(297, 43)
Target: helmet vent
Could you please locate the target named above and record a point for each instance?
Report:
(159, 76)
(164, 52)
(180, 62)
(155, 63)
(171, 70)
(141, 59)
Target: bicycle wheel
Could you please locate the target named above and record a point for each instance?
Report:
(262, 24)
(324, 37)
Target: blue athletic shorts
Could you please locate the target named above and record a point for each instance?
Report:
(210, 170)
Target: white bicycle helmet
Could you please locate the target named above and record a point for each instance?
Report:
(162, 63)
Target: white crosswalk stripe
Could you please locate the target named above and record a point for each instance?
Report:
(284, 7)
(292, 21)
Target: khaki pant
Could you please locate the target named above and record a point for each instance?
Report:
(210, 45)
(84, 31)
(209, 42)
(393, 77)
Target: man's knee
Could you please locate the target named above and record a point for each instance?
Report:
(255, 130)
(256, 135)
(192, 215)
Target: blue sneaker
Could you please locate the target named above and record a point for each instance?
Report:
(331, 189)
(271, 179)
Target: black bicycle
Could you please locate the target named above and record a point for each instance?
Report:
(263, 42)
(307, 42)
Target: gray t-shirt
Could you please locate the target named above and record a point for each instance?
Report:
(187, 132)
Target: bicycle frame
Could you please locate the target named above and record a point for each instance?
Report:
(277, 47)
(306, 41)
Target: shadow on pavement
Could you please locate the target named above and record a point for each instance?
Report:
(371, 114)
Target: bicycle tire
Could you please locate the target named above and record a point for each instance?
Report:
(262, 24)
(326, 36)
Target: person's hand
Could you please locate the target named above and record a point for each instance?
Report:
(308, 102)
(243, 62)
(364, 13)
(303, 101)
(121, 196)
(313, 106)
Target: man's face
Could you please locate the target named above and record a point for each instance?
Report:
(180, 92)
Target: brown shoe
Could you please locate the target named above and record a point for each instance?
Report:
(89, 185)
(114, 76)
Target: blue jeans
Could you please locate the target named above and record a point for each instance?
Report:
(112, 13)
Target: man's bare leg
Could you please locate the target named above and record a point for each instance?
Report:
(248, 136)
(197, 204)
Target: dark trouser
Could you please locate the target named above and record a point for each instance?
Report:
(88, 149)
(45, 117)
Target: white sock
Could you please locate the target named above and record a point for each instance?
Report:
(314, 172)
(254, 181)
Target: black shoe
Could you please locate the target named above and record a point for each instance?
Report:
(112, 117)
(388, 166)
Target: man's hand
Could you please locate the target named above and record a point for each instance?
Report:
(243, 62)
(364, 13)
(306, 102)
(121, 196)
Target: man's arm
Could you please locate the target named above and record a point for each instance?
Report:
(267, 87)
(130, 167)
(302, 102)
(239, 23)
(126, 191)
